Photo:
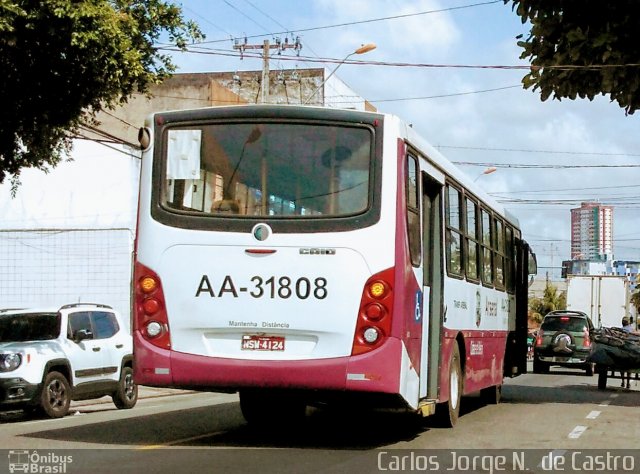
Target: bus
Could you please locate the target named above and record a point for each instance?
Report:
(306, 256)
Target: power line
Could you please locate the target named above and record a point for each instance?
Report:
(247, 16)
(517, 150)
(266, 14)
(398, 99)
(371, 20)
(539, 166)
(526, 67)
(498, 193)
(207, 20)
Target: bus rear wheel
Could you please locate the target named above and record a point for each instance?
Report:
(271, 408)
(448, 412)
(491, 395)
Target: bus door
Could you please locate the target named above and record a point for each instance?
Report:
(432, 277)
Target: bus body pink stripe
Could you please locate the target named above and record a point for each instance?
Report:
(377, 371)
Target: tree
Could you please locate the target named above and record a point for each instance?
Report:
(551, 300)
(582, 49)
(64, 60)
(635, 299)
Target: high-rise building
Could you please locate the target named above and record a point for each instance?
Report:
(592, 232)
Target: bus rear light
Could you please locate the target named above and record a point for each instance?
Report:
(378, 289)
(154, 329)
(374, 314)
(150, 314)
(151, 306)
(148, 284)
(375, 311)
(371, 335)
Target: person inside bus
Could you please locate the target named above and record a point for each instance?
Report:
(225, 206)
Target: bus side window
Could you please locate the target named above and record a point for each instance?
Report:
(454, 231)
(413, 211)
(498, 254)
(487, 260)
(471, 240)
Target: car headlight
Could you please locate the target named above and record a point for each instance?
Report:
(10, 361)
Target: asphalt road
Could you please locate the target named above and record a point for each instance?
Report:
(173, 431)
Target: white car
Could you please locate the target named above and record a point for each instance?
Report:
(49, 357)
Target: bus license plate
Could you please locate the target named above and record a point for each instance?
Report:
(252, 342)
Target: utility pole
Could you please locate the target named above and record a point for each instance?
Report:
(266, 48)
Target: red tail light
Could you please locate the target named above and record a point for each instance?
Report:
(587, 338)
(150, 311)
(374, 314)
(539, 337)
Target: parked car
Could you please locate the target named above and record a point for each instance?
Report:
(51, 356)
(563, 339)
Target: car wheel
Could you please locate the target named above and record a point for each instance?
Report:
(127, 394)
(447, 413)
(56, 395)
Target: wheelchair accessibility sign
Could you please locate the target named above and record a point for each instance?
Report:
(24, 460)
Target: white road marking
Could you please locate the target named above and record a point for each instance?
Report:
(593, 415)
(606, 403)
(577, 432)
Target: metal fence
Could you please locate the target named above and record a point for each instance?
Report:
(41, 267)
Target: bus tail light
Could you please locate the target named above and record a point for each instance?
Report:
(374, 314)
(150, 311)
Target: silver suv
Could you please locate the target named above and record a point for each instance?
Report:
(49, 357)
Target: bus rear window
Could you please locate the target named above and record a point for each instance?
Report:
(270, 169)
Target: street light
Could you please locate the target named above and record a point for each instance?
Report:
(365, 48)
(489, 170)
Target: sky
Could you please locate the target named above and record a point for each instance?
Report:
(479, 114)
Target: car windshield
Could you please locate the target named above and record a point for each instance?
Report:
(29, 327)
(564, 323)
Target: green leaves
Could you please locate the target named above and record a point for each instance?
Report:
(62, 60)
(583, 49)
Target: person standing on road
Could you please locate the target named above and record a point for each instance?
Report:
(626, 327)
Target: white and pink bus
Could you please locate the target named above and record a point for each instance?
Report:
(304, 255)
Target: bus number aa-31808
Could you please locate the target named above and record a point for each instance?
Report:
(272, 287)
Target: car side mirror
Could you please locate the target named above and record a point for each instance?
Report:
(82, 334)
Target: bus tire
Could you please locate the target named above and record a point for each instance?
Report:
(491, 395)
(269, 409)
(448, 412)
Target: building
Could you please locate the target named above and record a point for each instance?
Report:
(592, 232)
(196, 90)
(630, 269)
